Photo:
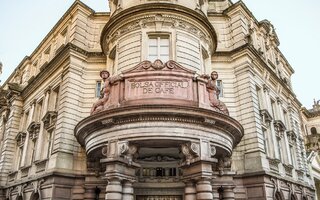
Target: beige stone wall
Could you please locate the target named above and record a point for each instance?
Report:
(64, 70)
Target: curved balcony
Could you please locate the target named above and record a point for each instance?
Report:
(156, 105)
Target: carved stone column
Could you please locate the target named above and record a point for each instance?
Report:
(204, 189)
(228, 193)
(127, 191)
(114, 189)
(190, 191)
(120, 169)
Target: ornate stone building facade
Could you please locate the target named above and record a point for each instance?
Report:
(311, 132)
(129, 105)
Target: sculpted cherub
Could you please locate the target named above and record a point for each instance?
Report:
(214, 92)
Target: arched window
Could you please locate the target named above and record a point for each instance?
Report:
(293, 197)
(35, 196)
(19, 198)
(278, 196)
(313, 130)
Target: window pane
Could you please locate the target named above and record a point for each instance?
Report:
(152, 58)
(164, 50)
(153, 42)
(164, 42)
(153, 51)
(164, 58)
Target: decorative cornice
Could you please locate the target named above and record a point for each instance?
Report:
(169, 113)
(251, 51)
(266, 115)
(49, 68)
(33, 130)
(49, 119)
(279, 125)
(20, 138)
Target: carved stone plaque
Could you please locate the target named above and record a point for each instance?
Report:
(159, 88)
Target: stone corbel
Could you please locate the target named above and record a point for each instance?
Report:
(14, 91)
(8, 193)
(191, 151)
(37, 188)
(126, 150)
(223, 163)
(21, 189)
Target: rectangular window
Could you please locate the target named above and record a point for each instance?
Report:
(50, 143)
(273, 109)
(98, 89)
(39, 111)
(260, 97)
(158, 48)
(266, 141)
(56, 98)
(293, 157)
(19, 157)
(25, 121)
(220, 87)
(280, 149)
(286, 119)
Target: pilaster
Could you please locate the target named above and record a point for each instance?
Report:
(12, 129)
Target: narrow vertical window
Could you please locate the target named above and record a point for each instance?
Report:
(56, 98)
(98, 89)
(220, 87)
(39, 111)
(266, 141)
(273, 109)
(158, 48)
(50, 135)
(293, 155)
(286, 120)
(260, 97)
(280, 149)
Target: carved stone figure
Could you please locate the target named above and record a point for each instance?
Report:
(214, 92)
(115, 4)
(104, 94)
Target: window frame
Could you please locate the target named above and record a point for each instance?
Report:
(159, 36)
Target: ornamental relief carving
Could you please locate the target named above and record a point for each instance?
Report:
(166, 21)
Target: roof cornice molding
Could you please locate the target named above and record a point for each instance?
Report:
(47, 69)
(254, 55)
(77, 5)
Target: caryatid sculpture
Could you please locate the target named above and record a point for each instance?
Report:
(214, 92)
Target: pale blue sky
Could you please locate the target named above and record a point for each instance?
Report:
(23, 24)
